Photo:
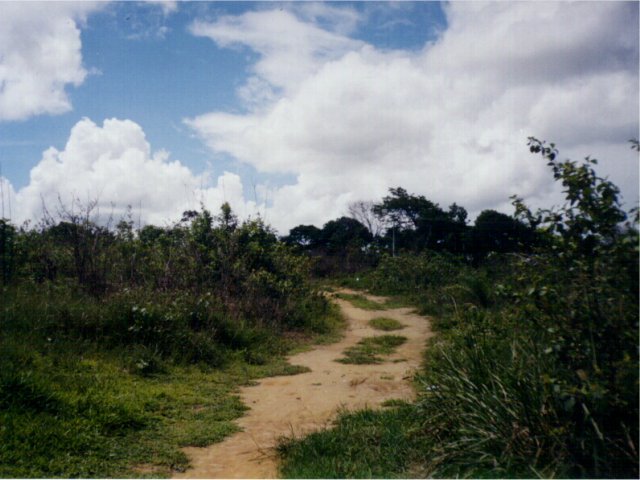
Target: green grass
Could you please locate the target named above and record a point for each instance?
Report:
(90, 418)
(386, 324)
(102, 421)
(368, 350)
(360, 301)
(363, 444)
(395, 402)
(77, 401)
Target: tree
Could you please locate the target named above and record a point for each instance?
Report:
(401, 209)
(587, 298)
(306, 237)
(344, 233)
(88, 243)
(417, 223)
(458, 214)
(227, 218)
(496, 232)
(365, 214)
(7, 251)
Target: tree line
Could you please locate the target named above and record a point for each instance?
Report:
(407, 223)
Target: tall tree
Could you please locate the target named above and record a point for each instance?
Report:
(496, 232)
(417, 223)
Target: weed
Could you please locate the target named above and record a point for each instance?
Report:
(360, 301)
(386, 324)
(364, 444)
(368, 349)
(395, 402)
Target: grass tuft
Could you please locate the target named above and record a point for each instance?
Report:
(386, 324)
(367, 350)
(363, 444)
(360, 301)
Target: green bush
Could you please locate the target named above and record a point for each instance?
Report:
(113, 341)
(405, 274)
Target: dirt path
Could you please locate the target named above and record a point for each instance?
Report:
(299, 404)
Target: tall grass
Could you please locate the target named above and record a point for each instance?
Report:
(485, 406)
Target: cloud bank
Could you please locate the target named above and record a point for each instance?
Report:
(449, 121)
(348, 120)
(114, 166)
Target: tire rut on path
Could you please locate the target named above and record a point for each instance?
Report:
(303, 403)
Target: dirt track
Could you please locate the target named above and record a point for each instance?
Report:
(299, 404)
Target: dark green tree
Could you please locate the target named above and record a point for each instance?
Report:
(306, 237)
(417, 223)
(344, 233)
(496, 232)
(7, 251)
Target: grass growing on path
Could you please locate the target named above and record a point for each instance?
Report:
(386, 324)
(368, 349)
(364, 444)
(360, 301)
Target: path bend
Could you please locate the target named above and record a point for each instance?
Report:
(303, 403)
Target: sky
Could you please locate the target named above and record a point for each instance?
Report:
(291, 111)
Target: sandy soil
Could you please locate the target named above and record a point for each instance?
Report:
(299, 404)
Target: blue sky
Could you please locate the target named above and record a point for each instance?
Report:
(294, 110)
(158, 78)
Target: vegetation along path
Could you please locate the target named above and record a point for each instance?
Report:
(297, 405)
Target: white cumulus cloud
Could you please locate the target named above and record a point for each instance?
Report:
(449, 122)
(40, 55)
(290, 50)
(114, 165)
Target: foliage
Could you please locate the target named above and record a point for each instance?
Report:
(404, 274)
(119, 346)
